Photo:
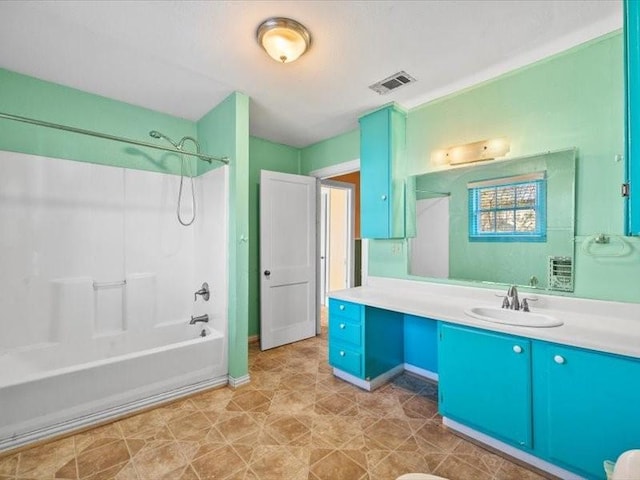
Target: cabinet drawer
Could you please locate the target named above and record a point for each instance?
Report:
(345, 359)
(348, 310)
(343, 330)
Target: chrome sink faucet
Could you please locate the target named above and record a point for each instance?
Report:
(512, 302)
(512, 299)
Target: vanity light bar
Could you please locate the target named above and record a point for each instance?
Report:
(471, 152)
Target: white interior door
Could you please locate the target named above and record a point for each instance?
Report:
(288, 258)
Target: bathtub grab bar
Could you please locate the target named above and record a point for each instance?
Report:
(97, 285)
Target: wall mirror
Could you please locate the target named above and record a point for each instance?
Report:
(498, 199)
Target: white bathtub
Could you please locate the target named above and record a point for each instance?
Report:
(52, 388)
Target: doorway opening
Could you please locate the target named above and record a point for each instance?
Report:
(336, 237)
(340, 245)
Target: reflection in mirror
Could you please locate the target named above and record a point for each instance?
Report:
(508, 221)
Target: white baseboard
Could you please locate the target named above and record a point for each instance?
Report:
(369, 385)
(511, 451)
(239, 381)
(421, 372)
(109, 414)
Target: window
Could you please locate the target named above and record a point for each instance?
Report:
(511, 209)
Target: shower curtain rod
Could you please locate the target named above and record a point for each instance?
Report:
(201, 156)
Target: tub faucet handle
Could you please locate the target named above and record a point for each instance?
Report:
(204, 292)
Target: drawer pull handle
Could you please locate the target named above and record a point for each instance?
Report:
(517, 348)
(342, 325)
(383, 197)
(559, 359)
(342, 353)
(341, 307)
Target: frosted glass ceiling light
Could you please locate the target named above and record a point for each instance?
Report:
(284, 39)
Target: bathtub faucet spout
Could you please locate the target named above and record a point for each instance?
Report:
(202, 318)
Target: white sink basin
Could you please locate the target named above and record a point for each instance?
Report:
(513, 317)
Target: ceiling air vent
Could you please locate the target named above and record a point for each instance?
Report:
(393, 82)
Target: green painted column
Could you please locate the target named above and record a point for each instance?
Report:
(225, 131)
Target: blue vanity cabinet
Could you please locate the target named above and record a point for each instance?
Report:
(346, 336)
(382, 202)
(485, 382)
(364, 341)
(587, 406)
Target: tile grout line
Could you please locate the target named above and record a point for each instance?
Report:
(75, 456)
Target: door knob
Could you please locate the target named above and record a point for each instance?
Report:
(559, 359)
(517, 348)
(267, 273)
(383, 197)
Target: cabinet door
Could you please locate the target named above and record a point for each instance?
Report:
(375, 175)
(632, 77)
(587, 406)
(485, 382)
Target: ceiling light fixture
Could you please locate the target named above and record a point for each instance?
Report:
(284, 39)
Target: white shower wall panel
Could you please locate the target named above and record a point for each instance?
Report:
(157, 245)
(211, 244)
(71, 228)
(47, 209)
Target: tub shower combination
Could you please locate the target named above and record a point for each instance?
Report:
(98, 281)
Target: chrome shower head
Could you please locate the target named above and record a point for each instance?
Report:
(157, 134)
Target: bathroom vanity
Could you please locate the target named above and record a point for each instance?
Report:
(562, 398)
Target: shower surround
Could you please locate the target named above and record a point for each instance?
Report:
(98, 281)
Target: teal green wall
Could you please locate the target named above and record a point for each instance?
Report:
(573, 99)
(263, 155)
(338, 149)
(225, 129)
(30, 97)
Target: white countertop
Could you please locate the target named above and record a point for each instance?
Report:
(612, 327)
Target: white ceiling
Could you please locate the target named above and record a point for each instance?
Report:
(184, 57)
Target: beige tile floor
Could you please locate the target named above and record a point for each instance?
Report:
(294, 421)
